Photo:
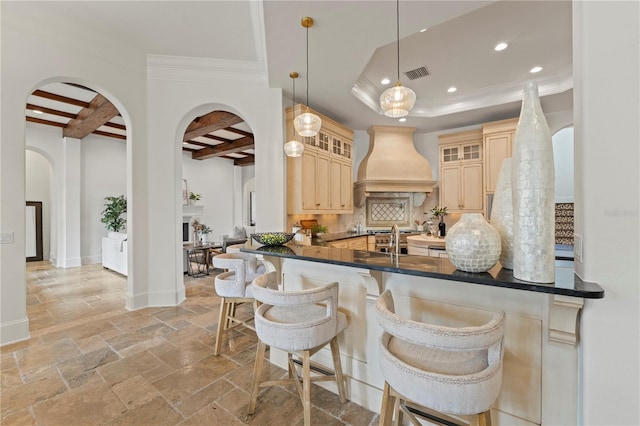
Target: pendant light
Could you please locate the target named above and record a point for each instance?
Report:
(307, 124)
(398, 100)
(294, 148)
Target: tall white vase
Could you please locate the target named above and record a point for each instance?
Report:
(502, 213)
(533, 186)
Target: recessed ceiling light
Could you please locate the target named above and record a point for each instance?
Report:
(402, 120)
(385, 81)
(535, 70)
(451, 89)
(423, 30)
(501, 46)
(37, 111)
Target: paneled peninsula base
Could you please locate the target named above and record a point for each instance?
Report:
(540, 382)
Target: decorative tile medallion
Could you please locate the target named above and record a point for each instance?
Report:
(386, 211)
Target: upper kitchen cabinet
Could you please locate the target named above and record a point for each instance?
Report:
(498, 142)
(321, 181)
(461, 188)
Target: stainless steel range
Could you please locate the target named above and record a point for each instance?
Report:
(383, 238)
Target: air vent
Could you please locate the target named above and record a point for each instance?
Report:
(417, 73)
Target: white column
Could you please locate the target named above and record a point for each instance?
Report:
(238, 195)
(606, 63)
(68, 178)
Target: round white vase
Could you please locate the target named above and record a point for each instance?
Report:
(533, 186)
(472, 244)
(502, 213)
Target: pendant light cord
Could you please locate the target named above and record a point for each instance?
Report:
(397, 35)
(307, 67)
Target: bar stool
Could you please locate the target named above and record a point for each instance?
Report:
(234, 287)
(301, 323)
(444, 370)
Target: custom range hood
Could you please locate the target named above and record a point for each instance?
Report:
(393, 165)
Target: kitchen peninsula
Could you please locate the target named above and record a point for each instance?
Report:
(541, 358)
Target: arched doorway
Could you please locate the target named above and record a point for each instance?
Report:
(84, 136)
(218, 159)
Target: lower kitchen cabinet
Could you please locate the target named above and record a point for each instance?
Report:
(356, 243)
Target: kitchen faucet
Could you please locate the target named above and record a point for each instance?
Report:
(394, 240)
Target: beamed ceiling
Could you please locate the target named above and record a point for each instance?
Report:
(80, 111)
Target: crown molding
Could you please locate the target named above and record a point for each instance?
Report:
(561, 81)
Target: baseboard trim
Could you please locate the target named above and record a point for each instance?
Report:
(90, 260)
(159, 299)
(14, 331)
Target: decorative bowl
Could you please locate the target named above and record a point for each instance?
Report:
(273, 238)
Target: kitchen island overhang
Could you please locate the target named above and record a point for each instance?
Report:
(542, 325)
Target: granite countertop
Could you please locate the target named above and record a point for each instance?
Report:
(567, 282)
(341, 236)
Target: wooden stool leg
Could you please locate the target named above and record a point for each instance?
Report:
(388, 403)
(337, 367)
(257, 373)
(306, 388)
(222, 321)
(484, 419)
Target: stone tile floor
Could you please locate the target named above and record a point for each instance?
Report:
(90, 361)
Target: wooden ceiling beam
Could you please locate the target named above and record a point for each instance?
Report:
(217, 138)
(246, 161)
(115, 126)
(202, 144)
(99, 112)
(238, 131)
(65, 114)
(224, 149)
(60, 98)
(45, 122)
(216, 120)
(110, 135)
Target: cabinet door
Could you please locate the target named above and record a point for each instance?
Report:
(309, 172)
(336, 171)
(497, 148)
(471, 187)
(450, 187)
(346, 186)
(323, 182)
(471, 152)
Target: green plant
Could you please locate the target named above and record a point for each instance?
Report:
(318, 229)
(205, 229)
(439, 212)
(112, 215)
(194, 197)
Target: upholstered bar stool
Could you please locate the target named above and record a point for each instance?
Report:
(300, 323)
(234, 287)
(444, 370)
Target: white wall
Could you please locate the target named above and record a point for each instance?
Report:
(563, 161)
(606, 57)
(193, 95)
(38, 188)
(39, 46)
(103, 163)
(213, 179)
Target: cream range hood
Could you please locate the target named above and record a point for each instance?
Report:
(393, 165)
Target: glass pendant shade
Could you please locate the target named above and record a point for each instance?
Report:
(397, 101)
(307, 124)
(294, 148)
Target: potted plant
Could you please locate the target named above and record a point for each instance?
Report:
(440, 213)
(205, 231)
(318, 230)
(194, 197)
(113, 215)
